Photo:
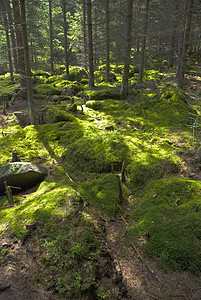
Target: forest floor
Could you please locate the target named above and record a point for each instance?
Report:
(141, 275)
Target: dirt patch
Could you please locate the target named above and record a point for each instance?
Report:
(141, 276)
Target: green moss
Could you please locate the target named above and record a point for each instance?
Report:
(101, 94)
(47, 90)
(56, 114)
(77, 73)
(167, 211)
(148, 167)
(98, 153)
(102, 192)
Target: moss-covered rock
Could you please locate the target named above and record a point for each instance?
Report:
(77, 73)
(47, 90)
(148, 167)
(167, 211)
(57, 114)
(98, 154)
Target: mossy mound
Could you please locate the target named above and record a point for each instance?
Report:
(169, 112)
(102, 192)
(108, 105)
(168, 219)
(8, 88)
(59, 113)
(101, 94)
(99, 153)
(47, 90)
(148, 167)
(77, 73)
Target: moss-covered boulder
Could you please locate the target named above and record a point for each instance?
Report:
(100, 153)
(77, 73)
(21, 176)
(57, 114)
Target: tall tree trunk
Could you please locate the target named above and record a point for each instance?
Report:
(12, 34)
(185, 45)
(27, 63)
(20, 47)
(107, 16)
(65, 38)
(84, 35)
(95, 30)
(124, 84)
(8, 46)
(173, 37)
(143, 46)
(51, 37)
(90, 47)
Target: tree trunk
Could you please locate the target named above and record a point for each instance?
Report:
(107, 16)
(186, 39)
(12, 35)
(65, 38)
(84, 35)
(90, 41)
(124, 84)
(143, 46)
(8, 46)
(173, 38)
(27, 64)
(51, 37)
(20, 47)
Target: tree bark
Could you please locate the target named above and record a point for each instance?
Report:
(173, 38)
(27, 64)
(185, 45)
(107, 16)
(84, 35)
(8, 46)
(65, 38)
(124, 84)
(143, 46)
(90, 46)
(20, 47)
(12, 35)
(51, 37)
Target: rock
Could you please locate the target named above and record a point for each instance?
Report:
(23, 118)
(22, 175)
(109, 127)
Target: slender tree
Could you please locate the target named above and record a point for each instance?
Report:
(84, 34)
(65, 38)
(90, 46)
(186, 40)
(107, 15)
(8, 46)
(27, 63)
(20, 47)
(51, 37)
(12, 35)
(143, 46)
(124, 84)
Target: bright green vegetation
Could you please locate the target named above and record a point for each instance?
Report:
(167, 211)
(152, 135)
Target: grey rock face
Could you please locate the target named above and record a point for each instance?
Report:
(21, 175)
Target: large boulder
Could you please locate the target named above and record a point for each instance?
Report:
(21, 175)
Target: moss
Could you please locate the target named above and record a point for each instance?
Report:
(166, 209)
(47, 90)
(77, 73)
(101, 94)
(98, 153)
(102, 192)
(148, 167)
(56, 114)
